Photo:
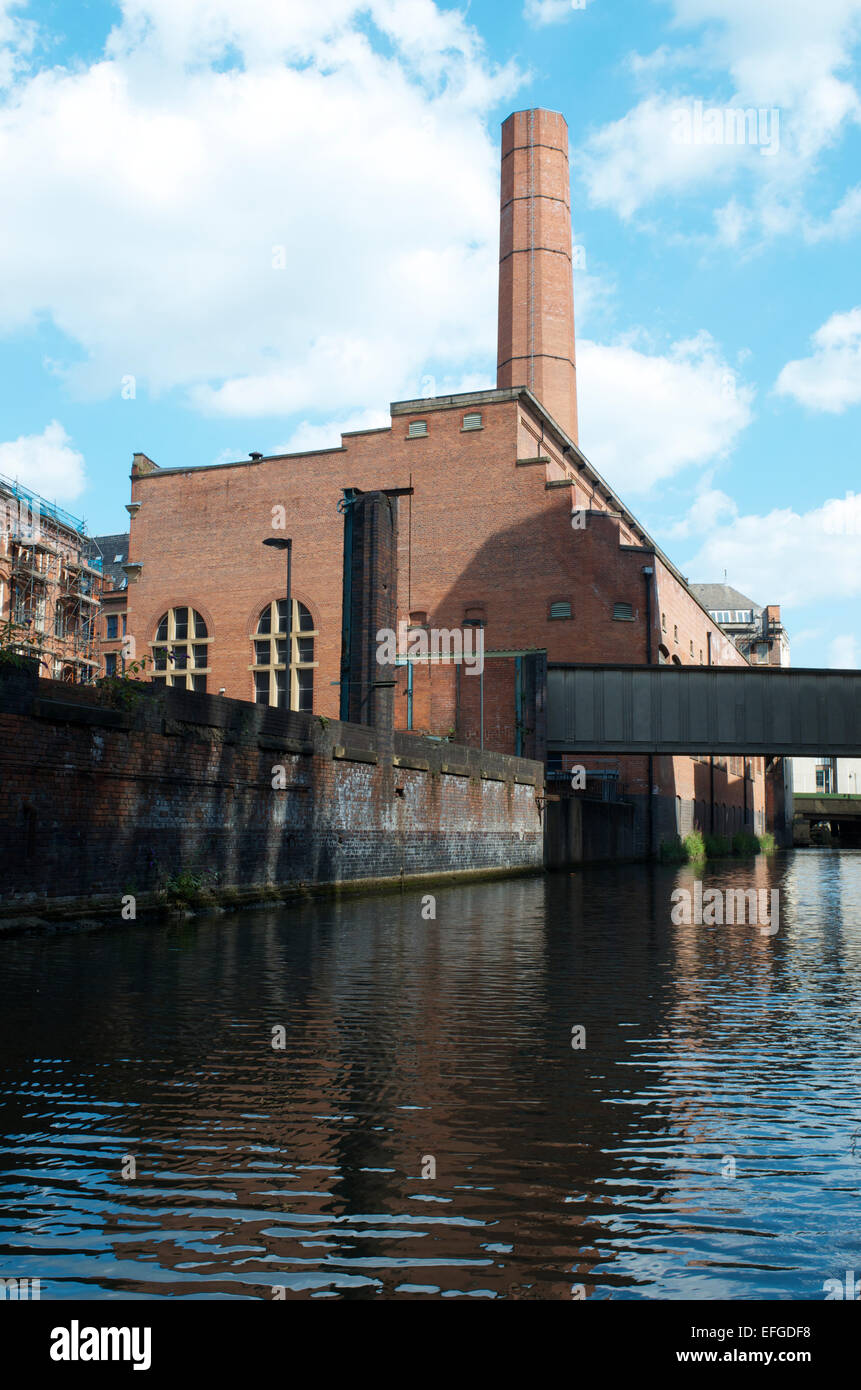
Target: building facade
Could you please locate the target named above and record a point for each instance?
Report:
(504, 528)
(50, 585)
(112, 553)
(756, 631)
(832, 776)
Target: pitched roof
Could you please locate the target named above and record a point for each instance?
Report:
(718, 597)
(109, 547)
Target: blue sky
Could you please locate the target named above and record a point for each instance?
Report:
(232, 227)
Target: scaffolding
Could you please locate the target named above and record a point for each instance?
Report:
(53, 585)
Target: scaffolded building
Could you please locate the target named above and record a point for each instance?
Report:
(50, 585)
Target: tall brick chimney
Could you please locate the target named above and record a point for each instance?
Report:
(536, 294)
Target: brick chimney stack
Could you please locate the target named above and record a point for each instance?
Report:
(536, 294)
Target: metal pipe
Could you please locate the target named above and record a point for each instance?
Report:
(711, 757)
(481, 704)
(289, 624)
(647, 575)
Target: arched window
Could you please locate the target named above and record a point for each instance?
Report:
(180, 651)
(270, 666)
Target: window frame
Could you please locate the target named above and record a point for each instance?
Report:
(181, 676)
(276, 636)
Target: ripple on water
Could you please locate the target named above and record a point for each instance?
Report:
(427, 1129)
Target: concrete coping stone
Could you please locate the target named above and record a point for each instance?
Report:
(412, 764)
(286, 745)
(559, 482)
(190, 728)
(62, 713)
(526, 781)
(354, 755)
(494, 776)
(539, 458)
(455, 769)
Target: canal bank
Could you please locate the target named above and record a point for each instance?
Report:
(144, 793)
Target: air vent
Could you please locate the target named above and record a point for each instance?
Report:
(417, 428)
(561, 609)
(472, 422)
(623, 613)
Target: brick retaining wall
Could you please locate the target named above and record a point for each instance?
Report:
(100, 800)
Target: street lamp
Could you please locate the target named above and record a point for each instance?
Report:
(286, 543)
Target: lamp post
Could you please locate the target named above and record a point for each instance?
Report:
(286, 543)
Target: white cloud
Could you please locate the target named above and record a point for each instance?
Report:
(843, 221)
(709, 509)
(645, 417)
(216, 141)
(843, 653)
(763, 554)
(768, 56)
(306, 437)
(45, 462)
(643, 156)
(830, 378)
(17, 37)
(541, 12)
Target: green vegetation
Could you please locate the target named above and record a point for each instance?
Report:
(698, 846)
(19, 647)
(743, 843)
(677, 851)
(184, 887)
(672, 851)
(694, 845)
(717, 846)
(123, 692)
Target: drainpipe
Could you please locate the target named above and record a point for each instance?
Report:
(711, 759)
(346, 506)
(648, 572)
(518, 707)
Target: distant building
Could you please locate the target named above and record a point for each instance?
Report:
(113, 552)
(757, 632)
(828, 775)
(50, 585)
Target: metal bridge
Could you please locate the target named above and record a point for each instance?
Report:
(717, 710)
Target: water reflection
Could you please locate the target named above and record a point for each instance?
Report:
(699, 1146)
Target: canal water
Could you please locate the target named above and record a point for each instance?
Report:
(353, 1100)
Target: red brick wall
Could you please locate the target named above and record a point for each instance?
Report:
(488, 526)
(96, 800)
(536, 301)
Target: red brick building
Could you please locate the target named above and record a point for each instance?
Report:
(503, 525)
(50, 585)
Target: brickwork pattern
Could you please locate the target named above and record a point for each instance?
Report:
(103, 800)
